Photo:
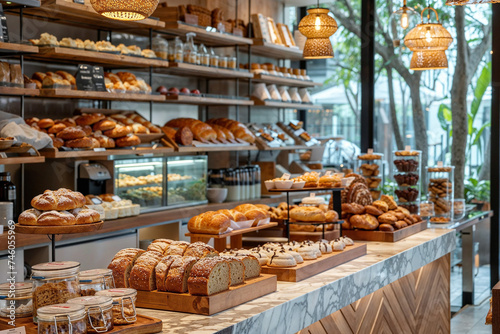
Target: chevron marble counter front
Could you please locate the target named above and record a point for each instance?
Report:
(295, 306)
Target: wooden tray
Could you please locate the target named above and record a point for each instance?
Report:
(311, 268)
(385, 236)
(208, 305)
(314, 236)
(303, 189)
(59, 229)
(143, 325)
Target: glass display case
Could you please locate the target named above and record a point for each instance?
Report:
(407, 173)
(371, 166)
(142, 181)
(162, 182)
(187, 180)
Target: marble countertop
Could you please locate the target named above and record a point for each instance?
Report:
(295, 306)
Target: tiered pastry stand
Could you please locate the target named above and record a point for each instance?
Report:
(337, 206)
(52, 231)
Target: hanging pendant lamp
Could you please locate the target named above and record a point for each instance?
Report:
(318, 26)
(428, 41)
(469, 2)
(125, 10)
(401, 20)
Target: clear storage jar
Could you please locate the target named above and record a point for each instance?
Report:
(62, 318)
(95, 280)
(371, 166)
(16, 300)
(124, 312)
(54, 283)
(407, 174)
(98, 312)
(440, 189)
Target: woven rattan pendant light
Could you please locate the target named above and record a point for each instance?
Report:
(469, 2)
(125, 10)
(318, 26)
(428, 41)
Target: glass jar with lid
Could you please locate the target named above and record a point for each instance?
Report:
(440, 190)
(62, 318)
(203, 55)
(175, 51)
(190, 49)
(124, 312)
(95, 280)
(98, 312)
(407, 174)
(231, 63)
(54, 283)
(16, 300)
(160, 47)
(223, 62)
(371, 166)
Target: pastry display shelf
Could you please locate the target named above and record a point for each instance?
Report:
(100, 154)
(108, 60)
(266, 49)
(285, 148)
(20, 154)
(288, 105)
(186, 69)
(59, 93)
(386, 236)
(22, 160)
(206, 101)
(209, 38)
(83, 15)
(235, 235)
(14, 49)
(282, 81)
(14, 91)
(217, 148)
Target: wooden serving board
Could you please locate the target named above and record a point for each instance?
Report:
(313, 267)
(385, 236)
(143, 325)
(58, 229)
(208, 305)
(314, 236)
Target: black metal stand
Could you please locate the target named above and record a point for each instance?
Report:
(52, 238)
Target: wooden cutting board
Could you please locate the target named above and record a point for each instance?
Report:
(208, 305)
(384, 236)
(313, 267)
(143, 325)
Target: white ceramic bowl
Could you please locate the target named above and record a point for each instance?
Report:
(298, 185)
(216, 195)
(269, 184)
(285, 184)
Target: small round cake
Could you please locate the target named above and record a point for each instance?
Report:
(337, 245)
(307, 252)
(281, 259)
(324, 247)
(347, 241)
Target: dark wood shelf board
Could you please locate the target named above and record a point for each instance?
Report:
(207, 101)
(217, 148)
(14, 91)
(13, 49)
(186, 69)
(203, 36)
(286, 105)
(87, 95)
(271, 50)
(22, 160)
(282, 81)
(55, 154)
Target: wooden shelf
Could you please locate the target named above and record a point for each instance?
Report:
(22, 160)
(206, 37)
(282, 81)
(275, 104)
(81, 94)
(271, 50)
(12, 49)
(217, 148)
(13, 91)
(108, 60)
(285, 148)
(206, 101)
(186, 69)
(56, 154)
(68, 12)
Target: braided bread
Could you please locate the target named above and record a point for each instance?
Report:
(62, 199)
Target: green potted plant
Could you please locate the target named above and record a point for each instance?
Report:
(478, 193)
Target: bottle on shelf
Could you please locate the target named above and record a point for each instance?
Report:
(190, 49)
(216, 178)
(214, 59)
(257, 181)
(8, 193)
(203, 55)
(231, 183)
(160, 47)
(175, 52)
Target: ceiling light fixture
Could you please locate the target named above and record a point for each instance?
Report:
(125, 10)
(318, 26)
(400, 20)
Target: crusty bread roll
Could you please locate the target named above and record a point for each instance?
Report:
(29, 217)
(365, 222)
(169, 132)
(57, 142)
(234, 215)
(209, 276)
(200, 250)
(122, 264)
(104, 141)
(238, 129)
(56, 218)
(85, 142)
(209, 222)
(118, 131)
(45, 123)
(61, 199)
(307, 214)
(201, 131)
(70, 133)
(104, 125)
(56, 128)
(252, 212)
(85, 215)
(130, 140)
(331, 216)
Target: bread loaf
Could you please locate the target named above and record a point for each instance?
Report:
(62, 199)
(365, 222)
(209, 276)
(177, 248)
(252, 265)
(56, 218)
(238, 129)
(200, 250)
(142, 275)
(234, 215)
(122, 264)
(184, 136)
(201, 131)
(237, 269)
(209, 222)
(161, 271)
(29, 217)
(252, 212)
(178, 274)
(307, 214)
(160, 247)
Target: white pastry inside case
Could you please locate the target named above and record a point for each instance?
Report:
(99, 208)
(110, 212)
(136, 209)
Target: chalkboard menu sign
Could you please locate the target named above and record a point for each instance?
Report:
(4, 36)
(98, 78)
(84, 78)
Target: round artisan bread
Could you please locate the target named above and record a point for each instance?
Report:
(104, 125)
(200, 250)
(364, 222)
(130, 140)
(95, 143)
(85, 142)
(29, 217)
(67, 121)
(56, 128)
(89, 119)
(307, 214)
(32, 120)
(209, 222)
(71, 133)
(104, 141)
(118, 131)
(56, 218)
(139, 128)
(61, 199)
(87, 129)
(85, 215)
(45, 123)
(331, 216)
(57, 142)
